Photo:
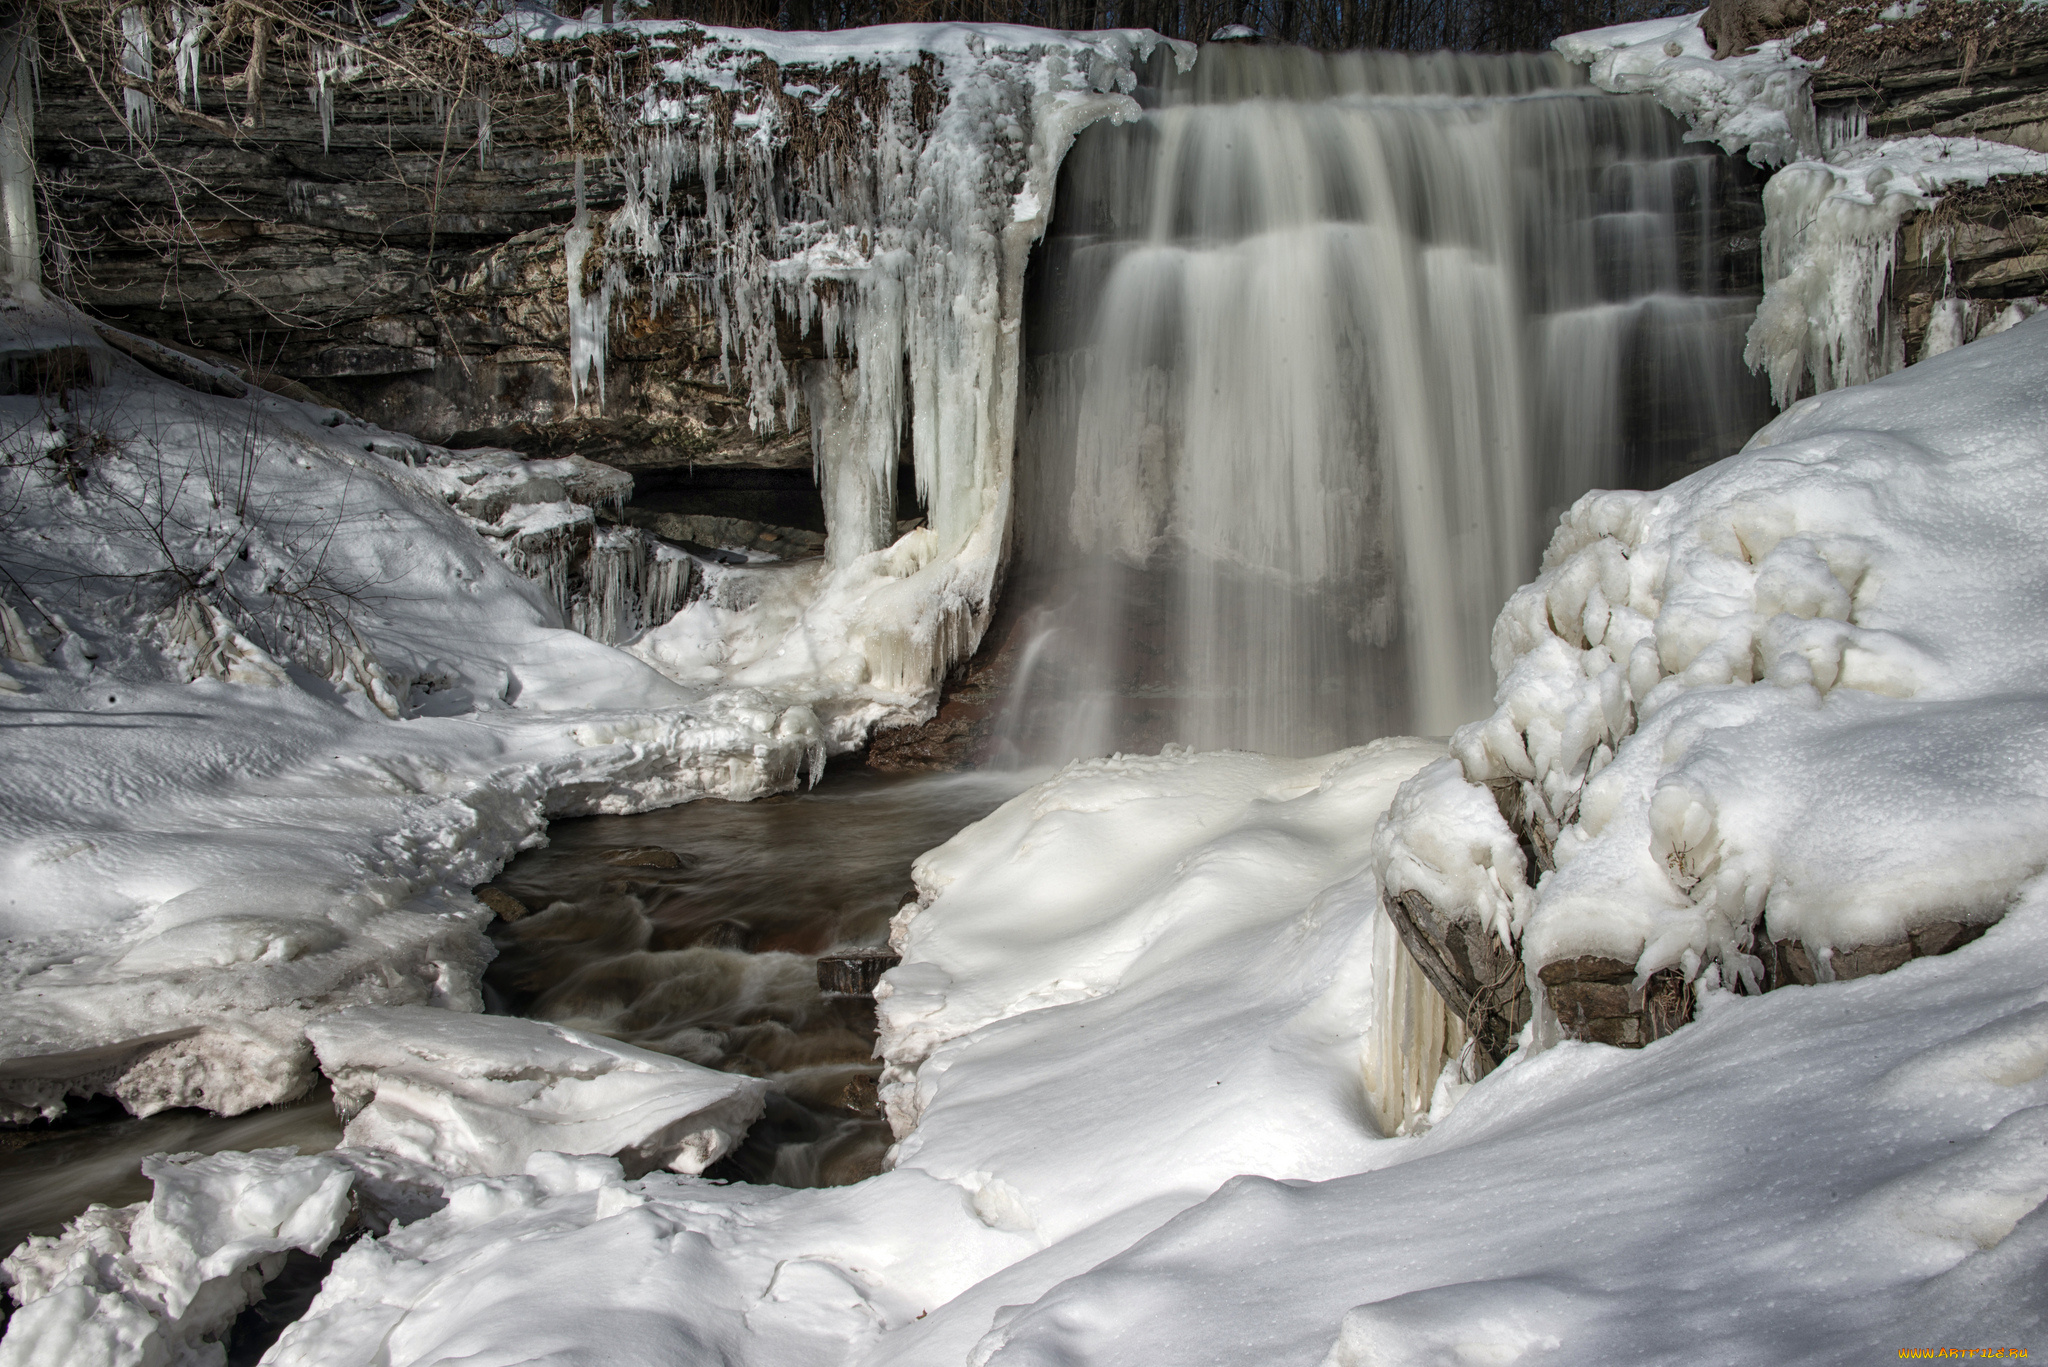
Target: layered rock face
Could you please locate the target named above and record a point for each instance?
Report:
(1963, 266)
(400, 256)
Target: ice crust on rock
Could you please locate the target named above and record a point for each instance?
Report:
(1830, 239)
(155, 1284)
(480, 1095)
(1793, 696)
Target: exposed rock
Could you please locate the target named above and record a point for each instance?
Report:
(1596, 999)
(699, 530)
(1975, 265)
(373, 270)
(643, 857)
(1481, 978)
(1788, 962)
(1930, 74)
(854, 972)
(507, 907)
(1734, 26)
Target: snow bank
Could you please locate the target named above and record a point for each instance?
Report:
(1793, 698)
(159, 1281)
(1826, 1175)
(1757, 103)
(1137, 980)
(468, 1094)
(1218, 901)
(275, 706)
(1058, 1200)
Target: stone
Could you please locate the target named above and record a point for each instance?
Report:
(1736, 26)
(854, 972)
(1594, 998)
(1480, 978)
(642, 857)
(507, 907)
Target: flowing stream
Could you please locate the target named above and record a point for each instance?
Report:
(1320, 348)
(715, 959)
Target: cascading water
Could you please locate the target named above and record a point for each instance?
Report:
(1319, 348)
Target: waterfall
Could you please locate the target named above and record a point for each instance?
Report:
(1319, 347)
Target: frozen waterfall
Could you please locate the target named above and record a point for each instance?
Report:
(1317, 349)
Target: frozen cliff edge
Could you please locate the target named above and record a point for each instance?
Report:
(880, 189)
(1781, 721)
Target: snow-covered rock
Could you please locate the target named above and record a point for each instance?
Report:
(155, 1284)
(472, 1094)
(1757, 103)
(1793, 698)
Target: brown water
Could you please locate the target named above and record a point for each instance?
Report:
(715, 961)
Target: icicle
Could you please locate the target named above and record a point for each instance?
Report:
(589, 319)
(483, 128)
(609, 609)
(138, 60)
(1413, 1034)
(671, 579)
(191, 25)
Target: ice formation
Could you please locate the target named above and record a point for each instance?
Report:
(480, 1095)
(156, 1284)
(1787, 699)
(1830, 239)
(905, 248)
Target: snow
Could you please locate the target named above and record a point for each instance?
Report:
(1793, 696)
(155, 1282)
(1142, 1138)
(468, 1094)
(1756, 103)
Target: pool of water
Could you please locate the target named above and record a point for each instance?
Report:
(713, 958)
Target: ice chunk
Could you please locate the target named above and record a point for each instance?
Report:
(481, 1094)
(159, 1281)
